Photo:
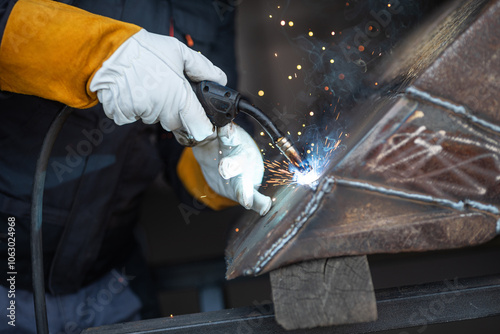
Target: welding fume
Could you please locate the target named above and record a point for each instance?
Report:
(111, 65)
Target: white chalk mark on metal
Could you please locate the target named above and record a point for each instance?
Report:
(406, 165)
(394, 147)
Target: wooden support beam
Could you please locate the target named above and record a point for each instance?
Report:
(324, 292)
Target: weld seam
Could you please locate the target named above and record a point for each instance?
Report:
(298, 223)
(460, 205)
(458, 109)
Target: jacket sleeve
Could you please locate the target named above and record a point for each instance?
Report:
(5, 9)
(52, 50)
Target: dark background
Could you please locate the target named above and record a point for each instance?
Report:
(185, 248)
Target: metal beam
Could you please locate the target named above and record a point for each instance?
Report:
(403, 307)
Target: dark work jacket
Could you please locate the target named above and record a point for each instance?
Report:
(98, 170)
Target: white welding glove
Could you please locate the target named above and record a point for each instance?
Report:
(145, 79)
(232, 166)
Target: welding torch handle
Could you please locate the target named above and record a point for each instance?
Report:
(222, 105)
(220, 102)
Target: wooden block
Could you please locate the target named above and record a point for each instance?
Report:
(324, 292)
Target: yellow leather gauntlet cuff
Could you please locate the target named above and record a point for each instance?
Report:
(191, 176)
(52, 50)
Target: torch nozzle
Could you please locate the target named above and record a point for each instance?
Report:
(290, 152)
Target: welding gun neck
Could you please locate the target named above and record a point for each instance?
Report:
(261, 118)
(278, 138)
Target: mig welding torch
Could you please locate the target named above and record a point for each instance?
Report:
(221, 104)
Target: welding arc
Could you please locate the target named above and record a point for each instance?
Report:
(42, 326)
(257, 114)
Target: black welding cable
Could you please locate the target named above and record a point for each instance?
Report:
(282, 142)
(37, 275)
(261, 118)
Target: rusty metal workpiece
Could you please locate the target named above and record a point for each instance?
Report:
(421, 172)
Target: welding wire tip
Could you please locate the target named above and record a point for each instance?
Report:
(305, 167)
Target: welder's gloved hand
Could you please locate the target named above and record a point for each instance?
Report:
(145, 79)
(232, 166)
